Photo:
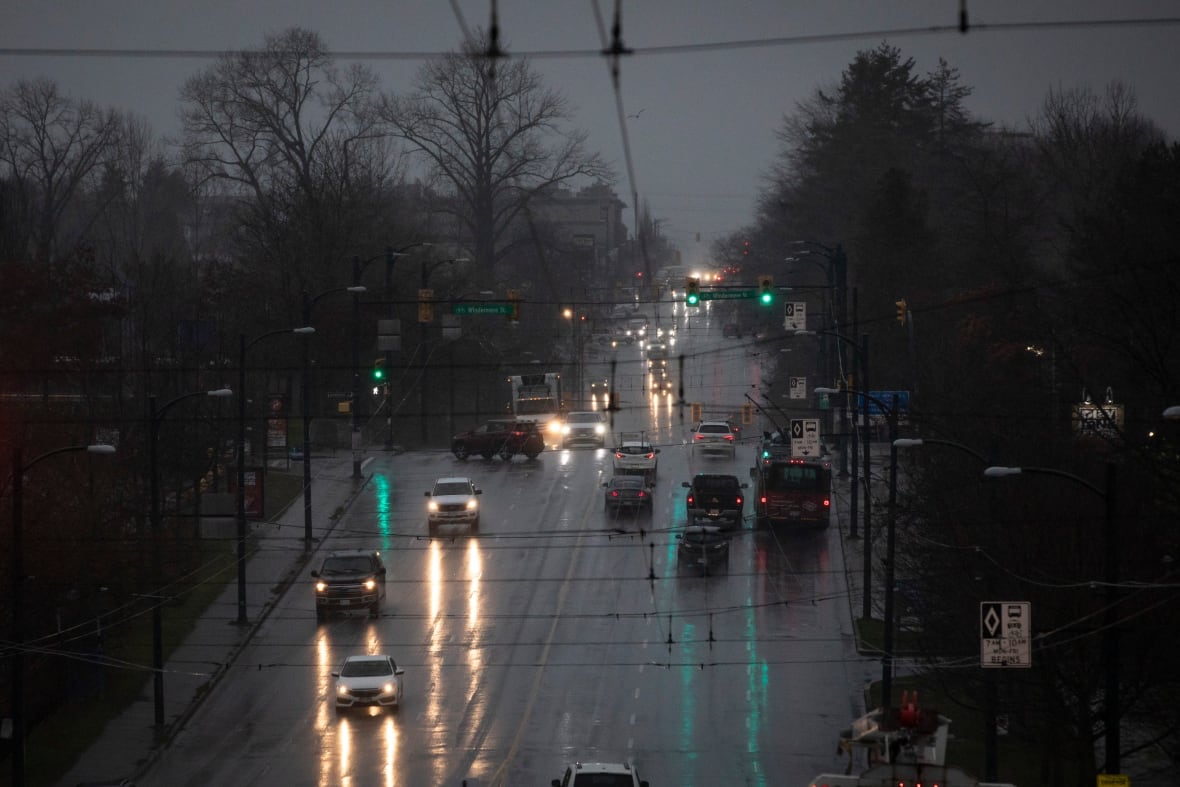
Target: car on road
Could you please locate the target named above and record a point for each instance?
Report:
(702, 546)
(714, 437)
(715, 497)
(630, 492)
(368, 681)
(454, 500)
(635, 455)
(347, 580)
(600, 774)
(502, 437)
(585, 427)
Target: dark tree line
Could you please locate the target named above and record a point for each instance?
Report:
(1040, 266)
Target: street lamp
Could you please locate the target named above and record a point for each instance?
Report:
(305, 404)
(17, 657)
(1110, 637)
(155, 415)
(890, 542)
(244, 345)
(990, 741)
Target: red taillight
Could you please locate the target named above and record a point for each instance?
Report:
(650, 456)
(729, 437)
(642, 493)
(762, 500)
(618, 455)
(690, 500)
(698, 437)
(739, 500)
(827, 503)
(614, 493)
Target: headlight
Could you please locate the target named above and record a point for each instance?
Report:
(387, 688)
(472, 504)
(565, 429)
(320, 587)
(599, 429)
(555, 426)
(432, 506)
(341, 688)
(370, 584)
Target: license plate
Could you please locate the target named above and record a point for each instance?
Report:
(714, 512)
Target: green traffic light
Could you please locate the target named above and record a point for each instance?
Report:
(378, 374)
(767, 298)
(692, 299)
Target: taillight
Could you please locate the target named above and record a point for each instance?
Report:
(739, 500)
(762, 500)
(614, 493)
(698, 436)
(642, 493)
(827, 503)
(618, 455)
(729, 437)
(650, 456)
(690, 500)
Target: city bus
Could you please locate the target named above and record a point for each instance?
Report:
(791, 490)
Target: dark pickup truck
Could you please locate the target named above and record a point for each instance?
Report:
(716, 498)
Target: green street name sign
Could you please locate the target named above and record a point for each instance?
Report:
(481, 308)
(727, 295)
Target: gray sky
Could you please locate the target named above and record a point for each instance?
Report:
(706, 120)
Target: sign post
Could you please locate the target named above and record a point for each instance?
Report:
(805, 437)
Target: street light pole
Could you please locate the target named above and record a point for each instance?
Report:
(155, 416)
(244, 345)
(890, 545)
(17, 645)
(305, 404)
(853, 486)
(990, 735)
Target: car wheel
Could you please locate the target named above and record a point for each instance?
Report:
(487, 454)
(460, 451)
(475, 526)
(375, 610)
(506, 452)
(532, 454)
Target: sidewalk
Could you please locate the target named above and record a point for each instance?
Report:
(129, 743)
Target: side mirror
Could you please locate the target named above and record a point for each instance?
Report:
(745, 485)
(686, 484)
(479, 491)
(316, 575)
(428, 494)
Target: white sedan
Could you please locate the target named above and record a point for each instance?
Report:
(368, 681)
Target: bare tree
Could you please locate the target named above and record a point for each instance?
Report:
(51, 146)
(491, 142)
(293, 136)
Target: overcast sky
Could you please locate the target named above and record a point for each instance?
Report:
(703, 121)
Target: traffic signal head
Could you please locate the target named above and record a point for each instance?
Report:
(514, 303)
(692, 296)
(765, 290)
(378, 373)
(902, 311)
(745, 248)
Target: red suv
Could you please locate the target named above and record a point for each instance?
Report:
(504, 438)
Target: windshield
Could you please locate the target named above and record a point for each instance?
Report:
(603, 780)
(452, 488)
(347, 565)
(366, 669)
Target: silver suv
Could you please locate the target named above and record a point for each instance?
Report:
(600, 774)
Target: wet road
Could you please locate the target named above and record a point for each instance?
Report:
(561, 632)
